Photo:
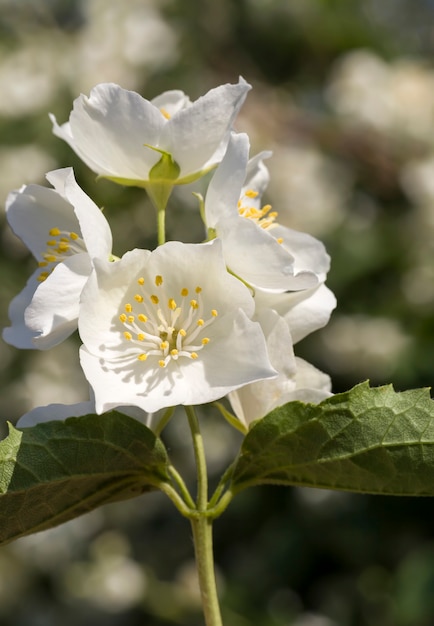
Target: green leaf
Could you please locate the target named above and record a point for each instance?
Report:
(367, 440)
(55, 471)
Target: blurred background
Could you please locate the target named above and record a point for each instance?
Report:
(343, 93)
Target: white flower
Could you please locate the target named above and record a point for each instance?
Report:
(155, 144)
(59, 412)
(303, 311)
(168, 327)
(256, 248)
(297, 379)
(64, 230)
(285, 319)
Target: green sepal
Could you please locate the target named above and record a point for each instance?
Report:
(366, 440)
(58, 470)
(162, 177)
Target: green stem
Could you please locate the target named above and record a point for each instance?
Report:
(173, 495)
(221, 505)
(199, 453)
(164, 420)
(222, 484)
(161, 224)
(202, 537)
(229, 417)
(177, 478)
(201, 526)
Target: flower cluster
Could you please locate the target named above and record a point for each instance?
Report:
(183, 324)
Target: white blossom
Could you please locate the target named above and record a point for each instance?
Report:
(256, 248)
(156, 144)
(64, 230)
(168, 327)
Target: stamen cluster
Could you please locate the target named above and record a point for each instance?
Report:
(159, 327)
(61, 245)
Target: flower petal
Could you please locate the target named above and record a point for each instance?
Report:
(259, 398)
(18, 334)
(225, 187)
(53, 312)
(51, 412)
(31, 213)
(240, 357)
(170, 102)
(309, 253)
(303, 311)
(54, 412)
(109, 130)
(93, 225)
(254, 255)
(197, 136)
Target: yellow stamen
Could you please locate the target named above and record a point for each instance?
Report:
(142, 357)
(158, 281)
(141, 280)
(154, 299)
(205, 340)
(194, 304)
(142, 318)
(184, 292)
(138, 298)
(128, 336)
(54, 232)
(172, 304)
(128, 308)
(123, 318)
(214, 313)
(193, 355)
(165, 113)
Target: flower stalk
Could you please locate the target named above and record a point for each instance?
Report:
(202, 530)
(202, 537)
